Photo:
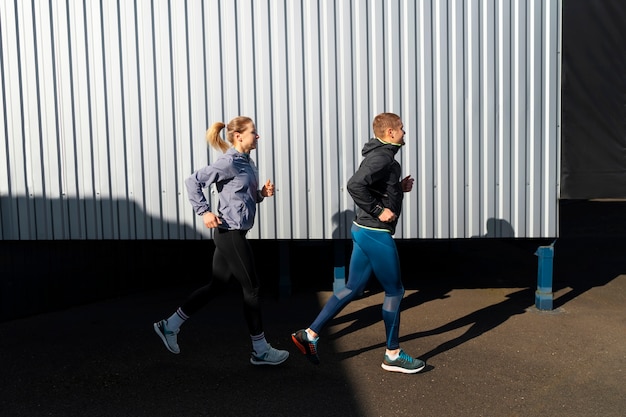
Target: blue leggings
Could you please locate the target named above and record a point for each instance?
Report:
(374, 251)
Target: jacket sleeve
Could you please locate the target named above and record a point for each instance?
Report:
(203, 178)
(359, 186)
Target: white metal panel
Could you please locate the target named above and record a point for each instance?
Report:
(270, 138)
(46, 164)
(456, 106)
(131, 197)
(426, 178)
(281, 133)
(551, 26)
(65, 204)
(76, 113)
(106, 106)
(519, 110)
(191, 141)
(327, 125)
(410, 103)
(12, 188)
(472, 197)
(341, 127)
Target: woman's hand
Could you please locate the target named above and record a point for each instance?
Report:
(268, 189)
(211, 221)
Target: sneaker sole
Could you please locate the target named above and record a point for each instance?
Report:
(256, 362)
(392, 368)
(162, 336)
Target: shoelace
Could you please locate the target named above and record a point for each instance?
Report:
(406, 358)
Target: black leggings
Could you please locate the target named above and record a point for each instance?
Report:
(232, 257)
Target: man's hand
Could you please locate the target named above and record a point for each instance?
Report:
(407, 183)
(387, 216)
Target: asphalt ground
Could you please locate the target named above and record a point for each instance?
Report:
(469, 312)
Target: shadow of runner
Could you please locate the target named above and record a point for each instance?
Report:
(372, 314)
(481, 321)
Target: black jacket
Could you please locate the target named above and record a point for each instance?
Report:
(376, 185)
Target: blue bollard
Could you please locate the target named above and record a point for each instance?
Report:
(543, 295)
(340, 279)
(340, 270)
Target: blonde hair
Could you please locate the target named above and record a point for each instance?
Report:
(237, 124)
(385, 121)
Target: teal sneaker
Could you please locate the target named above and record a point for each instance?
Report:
(403, 363)
(271, 357)
(169, 338)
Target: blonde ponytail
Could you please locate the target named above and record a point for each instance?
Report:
(213, 137)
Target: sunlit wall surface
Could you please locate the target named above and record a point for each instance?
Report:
(105, 106)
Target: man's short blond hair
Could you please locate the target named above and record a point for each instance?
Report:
(385, 121)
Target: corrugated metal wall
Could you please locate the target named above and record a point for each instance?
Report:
(106, 103)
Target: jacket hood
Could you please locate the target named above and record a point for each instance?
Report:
(375, 143)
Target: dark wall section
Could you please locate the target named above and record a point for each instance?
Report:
(44, 276)
(39, 276)
(593, 129)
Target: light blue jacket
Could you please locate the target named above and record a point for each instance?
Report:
(237, 180)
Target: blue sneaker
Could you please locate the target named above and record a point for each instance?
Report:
(403, 363)
(271, 357)
(168, 337)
